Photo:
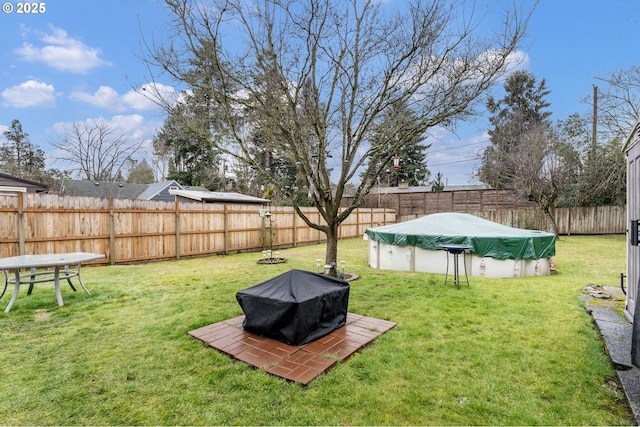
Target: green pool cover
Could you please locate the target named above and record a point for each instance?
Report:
(487, 238)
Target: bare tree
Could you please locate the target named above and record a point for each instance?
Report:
(545, 166)
(602, 178)
(619, 102)
(316, 77)
(96, 150)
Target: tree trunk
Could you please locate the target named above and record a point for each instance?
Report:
(550, 214)
(331, 254)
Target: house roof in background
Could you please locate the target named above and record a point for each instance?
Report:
(7, 180)
(155, 189)
(87, 188)
(216, 196)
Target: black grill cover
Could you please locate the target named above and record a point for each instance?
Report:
(296, 307)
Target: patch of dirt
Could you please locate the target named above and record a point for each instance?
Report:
(347, 277)
(272, 260)
(42, 315)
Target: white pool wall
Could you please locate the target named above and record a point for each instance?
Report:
(384, 256)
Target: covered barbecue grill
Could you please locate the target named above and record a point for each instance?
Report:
(296, 307)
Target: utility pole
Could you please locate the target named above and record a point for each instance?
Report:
(594, 130)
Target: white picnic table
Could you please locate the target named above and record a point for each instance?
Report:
(60, 264)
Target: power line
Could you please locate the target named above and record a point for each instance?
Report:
(453, 161)
(456, 147)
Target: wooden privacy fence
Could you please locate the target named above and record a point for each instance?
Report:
(415, 201)
(501, 206)
(136, 230)
(580, 220)
(587, 220)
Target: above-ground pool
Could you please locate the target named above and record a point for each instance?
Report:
(496, 250)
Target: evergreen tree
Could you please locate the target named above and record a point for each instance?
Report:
(20, 158)
(140, 173)
(400, 123)
(519, 112)
(437, 184)
(282, 180)
(186, 136)
(528, 154)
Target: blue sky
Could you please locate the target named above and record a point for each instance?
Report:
(79, 60)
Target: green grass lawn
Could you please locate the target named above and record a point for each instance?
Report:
(517, 351)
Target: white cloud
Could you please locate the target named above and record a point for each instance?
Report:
(62, 53)
(30, 94)
(146, 98)
(138, 101)
(104, 97)
(516, 61)
(132, 125)
(487, 60)
(151, 96)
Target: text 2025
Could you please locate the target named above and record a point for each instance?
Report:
(31, 7)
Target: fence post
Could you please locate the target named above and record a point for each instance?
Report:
(371, 217)
(21, 223)
(177, 217)
(112, 234)
(295, 228)
(226, 229)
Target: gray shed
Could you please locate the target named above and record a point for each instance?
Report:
(632, 151)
